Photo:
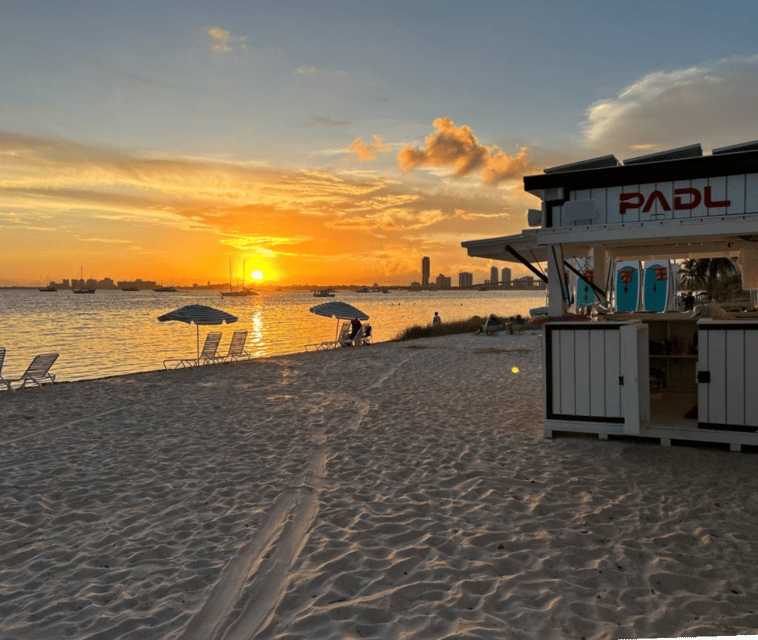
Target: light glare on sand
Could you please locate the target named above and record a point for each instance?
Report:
(515, 369)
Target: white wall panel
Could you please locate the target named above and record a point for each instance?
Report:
(751, 193)
(735, 191)
(718, 193)
(582, 371)
(568, 378)
(751, 378)
(556, 368)
(612, 368)
(660, 212)
(735, 377)
(717, 385)
(597, 379)
(613, 216)
(683, 213)
(700, 210)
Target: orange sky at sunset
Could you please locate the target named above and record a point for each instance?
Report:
(332, 142)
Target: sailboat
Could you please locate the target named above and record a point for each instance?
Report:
(242, 292)
(82, 288)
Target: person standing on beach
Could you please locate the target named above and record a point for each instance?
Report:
(436, 320)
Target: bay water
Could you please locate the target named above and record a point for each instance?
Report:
(117, 332)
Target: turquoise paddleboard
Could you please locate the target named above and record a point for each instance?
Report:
(585, 295)
(627, 286)
(656, 286)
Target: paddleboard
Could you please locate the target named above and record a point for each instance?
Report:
(627, 286)
(585, 294)
(656, 285)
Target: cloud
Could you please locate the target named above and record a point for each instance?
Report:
(222, 40)
(368, 151)
(457, 147)
(323, 121)
(99, 199)
(305, 71)
(715, 104)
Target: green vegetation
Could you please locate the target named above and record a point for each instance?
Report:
(444, 329)
(718, 277)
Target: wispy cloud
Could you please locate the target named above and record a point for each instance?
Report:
(714, 103)
(223, 40)
(323, 121)
(458, 147)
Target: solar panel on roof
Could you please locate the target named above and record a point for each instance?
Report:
(736, 148)
(602, 162)
(691, 151)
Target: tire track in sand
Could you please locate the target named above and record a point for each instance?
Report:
(260, 572)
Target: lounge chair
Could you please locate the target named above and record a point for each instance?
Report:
(36, 373)
(2, 359)
(237, 347)
(342, 338)
(209, 354)
(518, 324)
(492, 325)
(364, 336)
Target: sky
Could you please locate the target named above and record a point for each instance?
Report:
(325, 142)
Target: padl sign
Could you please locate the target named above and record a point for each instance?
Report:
(685, 198)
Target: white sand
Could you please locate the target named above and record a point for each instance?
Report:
(399, 491)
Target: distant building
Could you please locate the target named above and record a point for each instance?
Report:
(493, 275)
(443, 281)
(465, 279)
(425, 271)
(505, 275)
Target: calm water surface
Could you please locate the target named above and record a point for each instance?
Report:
(117, 332)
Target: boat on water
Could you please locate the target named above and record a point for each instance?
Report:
(165, 289)
(323, 293)
(129, 288)
(81, 288)
(242, 292)
(49, 287)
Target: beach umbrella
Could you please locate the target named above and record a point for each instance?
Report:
(199, 314)
(339, 310)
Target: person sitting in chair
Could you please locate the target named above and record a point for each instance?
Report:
(355, 327)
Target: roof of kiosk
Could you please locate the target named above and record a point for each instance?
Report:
(676, 203)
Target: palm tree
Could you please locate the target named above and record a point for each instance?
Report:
(718, 277)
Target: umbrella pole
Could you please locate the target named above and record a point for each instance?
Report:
(198, 343)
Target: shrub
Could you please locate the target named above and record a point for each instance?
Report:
(444, 329)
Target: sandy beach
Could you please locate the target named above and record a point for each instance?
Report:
(398, 491)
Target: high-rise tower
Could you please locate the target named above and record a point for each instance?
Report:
(425, 270)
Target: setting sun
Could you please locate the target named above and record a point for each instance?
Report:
(257, 275)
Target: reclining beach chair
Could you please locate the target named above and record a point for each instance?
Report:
(237, 347)
(492, 325)
(518, 324)
(209, 354)
(2, 359)
(343, 337)
(364, 336)
(36, 373)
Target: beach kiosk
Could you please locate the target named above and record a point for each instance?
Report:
(668, 375)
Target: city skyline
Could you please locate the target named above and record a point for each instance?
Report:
(326, 141)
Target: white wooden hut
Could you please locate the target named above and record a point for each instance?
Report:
(597, 374)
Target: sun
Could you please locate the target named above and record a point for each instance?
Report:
(257, 275)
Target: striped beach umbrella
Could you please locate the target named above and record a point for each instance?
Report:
(198, 314)
(339, 310)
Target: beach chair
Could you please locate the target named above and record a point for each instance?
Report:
(37, 373)
(343, 337)
(209, 354)
(2, 359)
(518, 324)
(492, 325)
(237, 347)
(364, 336)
